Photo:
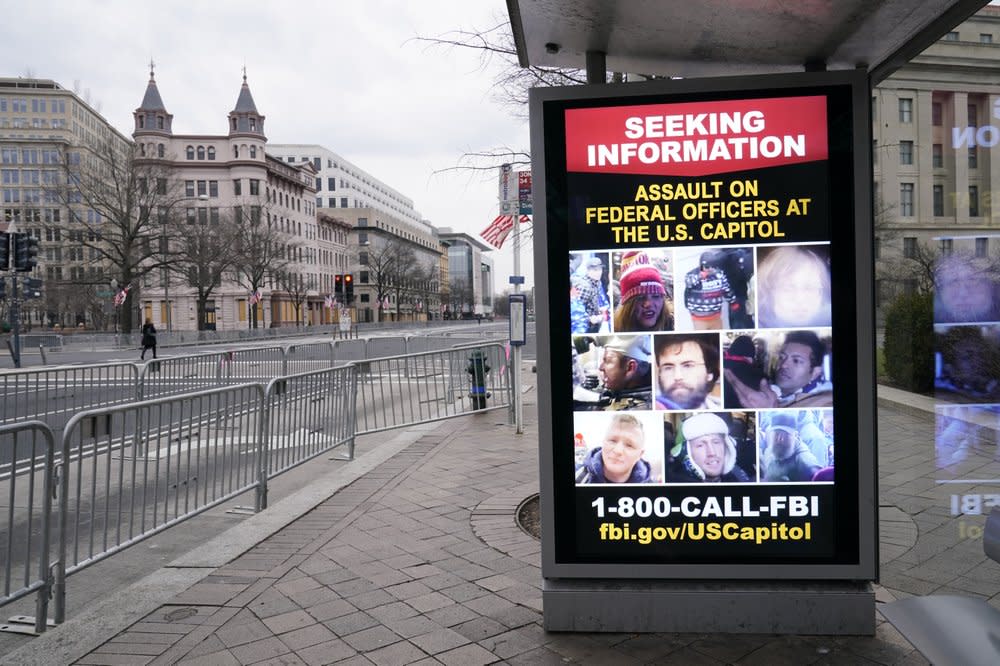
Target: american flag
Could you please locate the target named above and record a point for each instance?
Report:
(255, 297)
(500, 228)
(122, 295)
(330, 302)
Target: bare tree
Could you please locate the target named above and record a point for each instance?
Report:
(392, 267)
(203, 256)
(129, 201)
(462, 295)
(260, 250)
(297, 286)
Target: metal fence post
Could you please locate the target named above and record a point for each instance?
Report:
(264, 448)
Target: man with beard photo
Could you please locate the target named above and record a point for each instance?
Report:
(687, 370)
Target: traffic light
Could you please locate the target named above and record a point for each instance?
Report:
(4, 250)
(25, 252)
(3, 288)
(32, 288)
(338, 284)
(349, 287)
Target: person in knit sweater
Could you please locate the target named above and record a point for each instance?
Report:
(706, 291)
(644, 305)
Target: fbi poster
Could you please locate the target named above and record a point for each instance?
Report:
(702, 263)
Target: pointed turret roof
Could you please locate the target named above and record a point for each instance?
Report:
(244, 103)
(151, 101)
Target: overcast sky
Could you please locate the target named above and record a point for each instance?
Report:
(339, 74)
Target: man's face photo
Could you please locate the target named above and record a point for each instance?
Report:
(709, 453)
(795, 368)
(683, 375)
(622, 447)
(614, 369)
(781, 442)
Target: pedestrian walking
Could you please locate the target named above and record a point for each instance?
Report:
(148, 338)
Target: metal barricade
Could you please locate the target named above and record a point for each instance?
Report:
(26, 527)
(423, 343)
(382, 347)
(419, 388)
(54, 394)
(345, 351)
(151, 465)
(307, 415)
(308, 357)
(173, 375)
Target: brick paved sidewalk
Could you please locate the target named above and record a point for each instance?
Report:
(420, 561)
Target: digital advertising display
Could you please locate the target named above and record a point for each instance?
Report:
(706, 385)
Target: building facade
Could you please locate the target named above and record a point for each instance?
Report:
(936, 132)
(43, 129)
(231, 174)
(470, 275)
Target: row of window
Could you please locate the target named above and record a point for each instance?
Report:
(906, 153)
(984, 37)
(945, 246)
(32, 156)
(906, 202)
(201, 152)
(21, 122)
(905, 106)
(38, 105)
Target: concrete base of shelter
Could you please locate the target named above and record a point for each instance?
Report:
(821, 608)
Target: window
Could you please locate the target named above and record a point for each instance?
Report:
(161, 185)
(951, 36)
(364, 298)
(319, 183)
(331, 184)
(982, 247)
(906, 152)
(937, 156)
(319, 202)
(343, 202)
(973, 201)
(160, 150)
(190, 216)
(236, 152)
(938, 200)
(237, 186)
(362, 221)
(332, 203)
(363, 258)
(253, 152)
(201, 152)
(234, 123)
(906, 199)
(905, 110)
(363, 277)
(189, 188)
(211, 153)
(254, 187)
(159, 122)
(909, 247)
(947, 245)
(253, 124)
(985, 38)
(202, 188)
(213, 188)
(971, 112)
(213, 215)
(190, 152)
(973, 158)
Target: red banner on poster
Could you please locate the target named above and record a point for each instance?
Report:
(696, 139)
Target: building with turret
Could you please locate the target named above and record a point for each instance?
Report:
(227, 177)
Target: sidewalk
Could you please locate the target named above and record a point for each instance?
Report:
(414, 557)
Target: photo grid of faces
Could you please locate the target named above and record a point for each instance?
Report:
(967, 358)
(702, 365)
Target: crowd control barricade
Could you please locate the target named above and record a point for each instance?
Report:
(345, 351)
(382, 347)
(430, 386)
(423, 343)
(307, 415)
(54, 394)
(152, 465)
(25, 529)
(307, 357)
(174, 375)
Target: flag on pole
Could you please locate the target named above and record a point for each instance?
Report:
(500, 228)
(255, 297)
(330, 302)
(122, 295)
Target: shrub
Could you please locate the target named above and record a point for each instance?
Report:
(909, 342)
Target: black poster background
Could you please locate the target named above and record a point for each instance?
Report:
(830, 185)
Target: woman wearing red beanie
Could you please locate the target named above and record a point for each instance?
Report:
(643, 305)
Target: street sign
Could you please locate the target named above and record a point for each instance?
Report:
(524, 192)
(517, 330)
(516, 279)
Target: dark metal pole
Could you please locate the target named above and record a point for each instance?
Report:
(15, 321)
